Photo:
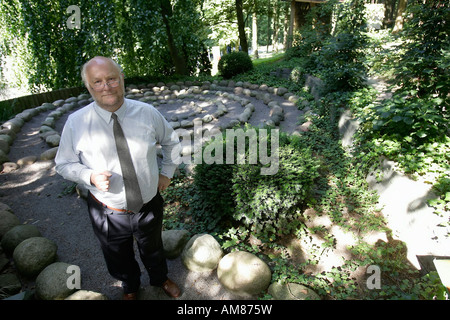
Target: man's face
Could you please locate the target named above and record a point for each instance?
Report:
(99, 71)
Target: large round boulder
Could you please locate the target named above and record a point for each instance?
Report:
(201, 253)
(174, 242)
(53, 282)
(8, 220)
(16, 235)
(32, 255)
(86, 295)
(244, 273)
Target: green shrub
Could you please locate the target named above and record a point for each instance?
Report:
(270, 205)
(234, 63)
(212, 202)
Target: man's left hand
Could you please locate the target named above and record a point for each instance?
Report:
(163, 182)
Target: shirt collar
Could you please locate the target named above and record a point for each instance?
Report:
(106, 115)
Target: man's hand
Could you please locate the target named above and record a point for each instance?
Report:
(101, 180)
(163, 182)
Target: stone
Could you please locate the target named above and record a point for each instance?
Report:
(5, 207)
(52, 282)
(53, 140)
(45, 128)
(14, 124)
(292, 291)
(281, 91)
(3, 157)
(243, 273)
(4, 261)
(186, 124)
(32, 255)
(8, 138)
(174, 242)
(82, 191)
(8, 221)
(201, 253)
(305, 126)
(48, 106)
(49, 154)
(16, 235)
(9, 284)
(25, 161)
(49, 122)
(9, 167)
(86, 295)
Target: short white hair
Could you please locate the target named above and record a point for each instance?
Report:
(83, 68)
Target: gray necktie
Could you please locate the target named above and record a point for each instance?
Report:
(132, 190)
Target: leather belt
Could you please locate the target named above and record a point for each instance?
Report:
(109, 207)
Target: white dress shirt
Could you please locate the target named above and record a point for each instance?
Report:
(87, 145)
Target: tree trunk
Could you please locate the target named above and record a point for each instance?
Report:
(241, 26)
(178, 59)
(399, 17)
(275, 26)
(268, 25)
(286, 24)
(255, 35)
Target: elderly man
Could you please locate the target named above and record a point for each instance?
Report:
(110, 146)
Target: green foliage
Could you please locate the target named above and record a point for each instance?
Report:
(234, 63)
(423, 69)
(212, 202)
(411, 127)
(272, 204)
(49, 55)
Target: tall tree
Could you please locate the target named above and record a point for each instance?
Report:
(255, 35)
(399, 17)
(241, 26)
(177, 56)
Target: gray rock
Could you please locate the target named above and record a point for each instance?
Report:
(14, 124)
(9, 167)
(243, 273)
(9, 284)
(25, 161)
(86, 295)
(82, 191)
(52, 282)
(174, 242)
(281, 91)
(53, 140)
(32, 255)
(186, 124)
(292, 291)
(16, 235)
(49, 154)
(5, 207)
(7, 221)
(4, 146)
(201, 253)
(48, 106)
(49, 122)
(3, 157)
(7, 137)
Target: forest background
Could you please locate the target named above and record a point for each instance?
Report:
(168, 39)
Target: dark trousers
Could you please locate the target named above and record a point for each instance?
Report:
(116, 232)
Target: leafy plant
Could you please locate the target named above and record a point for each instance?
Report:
(271, 204)
(234, 63)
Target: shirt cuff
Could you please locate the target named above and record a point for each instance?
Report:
(85, 176)
(168, 170)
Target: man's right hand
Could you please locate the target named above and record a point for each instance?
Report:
(101, 180)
